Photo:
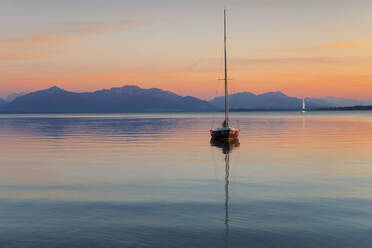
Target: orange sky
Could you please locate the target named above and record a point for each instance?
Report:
(303, 49)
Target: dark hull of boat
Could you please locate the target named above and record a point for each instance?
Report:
(225, 134)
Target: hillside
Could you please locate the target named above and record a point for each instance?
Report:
(127, 99)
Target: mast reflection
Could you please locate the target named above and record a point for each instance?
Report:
(227, 146)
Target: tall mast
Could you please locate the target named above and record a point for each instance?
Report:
(226, 91)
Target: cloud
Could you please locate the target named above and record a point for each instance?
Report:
(72, 34)
(91, 28)
(80, 30)
(210, 64)
(25, 55)
(294, 60)
(352, 44)
(332, 45)
(192, 66)
(289, 60)
(44, 40)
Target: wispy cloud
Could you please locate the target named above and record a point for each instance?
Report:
(294, 60)
(82, 29)
(357, 44)
(192, 66)
(25, 55)
(288, 60)
(352, 44)
(72, 34)
(210, 64)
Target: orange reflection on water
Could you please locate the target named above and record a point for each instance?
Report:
(102, 150)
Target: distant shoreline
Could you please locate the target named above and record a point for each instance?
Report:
(346, 109)
(355, 108)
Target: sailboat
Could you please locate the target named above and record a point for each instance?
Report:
(303, 105)
(225, 132)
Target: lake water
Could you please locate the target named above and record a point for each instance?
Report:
(295, 180)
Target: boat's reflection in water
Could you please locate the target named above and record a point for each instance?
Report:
(227, 147)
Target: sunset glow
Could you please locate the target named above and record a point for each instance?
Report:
(305, 49)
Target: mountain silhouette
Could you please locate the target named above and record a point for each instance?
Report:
(13, 96)
(133, 99)
(267, 101)
(340, 102)
(127, 99)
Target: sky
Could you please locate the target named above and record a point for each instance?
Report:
(303, 48)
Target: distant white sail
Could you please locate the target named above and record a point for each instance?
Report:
(303, 105)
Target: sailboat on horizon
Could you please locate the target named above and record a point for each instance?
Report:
(303, 105)
(225, 132)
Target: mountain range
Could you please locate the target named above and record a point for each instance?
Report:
(133, 99)
(279, 101)
(267, 101)
(127, 99)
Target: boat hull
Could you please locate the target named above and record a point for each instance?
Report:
(225, 134)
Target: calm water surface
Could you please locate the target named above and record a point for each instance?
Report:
(156, 181)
